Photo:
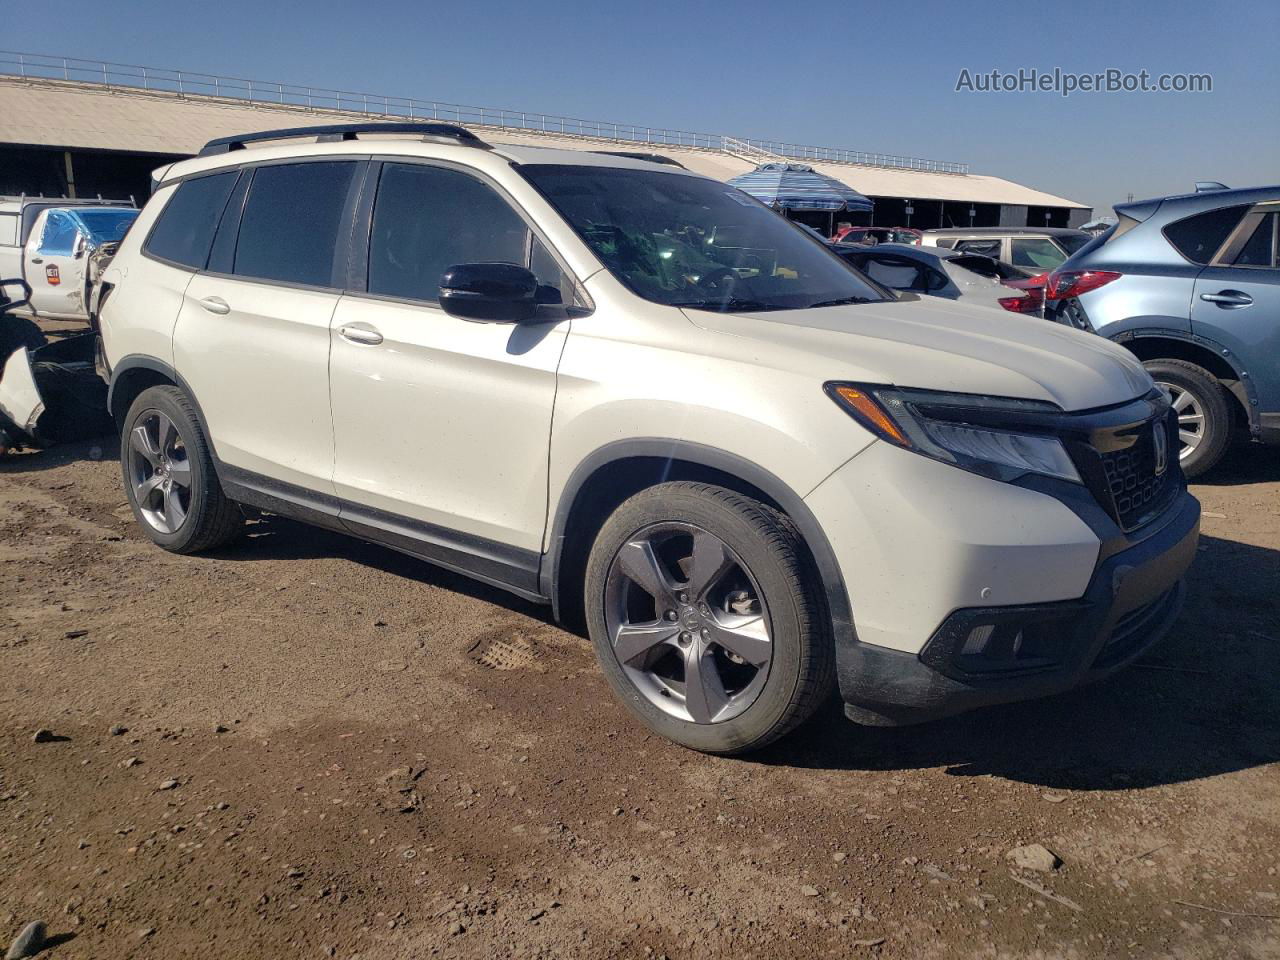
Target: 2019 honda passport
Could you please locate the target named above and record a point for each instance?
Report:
(639, 395)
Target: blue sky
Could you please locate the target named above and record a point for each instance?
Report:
(869, 76)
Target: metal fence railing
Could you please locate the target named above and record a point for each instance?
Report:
(189, 83)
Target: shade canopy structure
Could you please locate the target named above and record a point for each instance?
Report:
(797, 186)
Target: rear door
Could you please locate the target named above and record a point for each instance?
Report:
(252, 338)
(442, 425)
(1237, 301)
(55, 266)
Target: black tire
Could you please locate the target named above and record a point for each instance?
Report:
(1211, 397)
(801, 673)
(211, 520)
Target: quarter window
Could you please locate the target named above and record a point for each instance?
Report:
(1198, 238)
(427, 219)
(292, 218)
(184, 229)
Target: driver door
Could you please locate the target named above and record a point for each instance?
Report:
(442, 425)
(54, 266)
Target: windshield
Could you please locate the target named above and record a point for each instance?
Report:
(107, 226)
(686, 241)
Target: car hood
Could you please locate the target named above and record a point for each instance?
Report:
(943, 345)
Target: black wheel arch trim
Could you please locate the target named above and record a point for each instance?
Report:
(711, 458)
(1245, 392)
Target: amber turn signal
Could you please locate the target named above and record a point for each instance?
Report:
(867, 411)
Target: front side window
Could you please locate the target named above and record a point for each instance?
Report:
(686, 241)
(59, 237)
(1198, 237)
(1036, 253)
(184, 230)
(427, 219)
(290, 226)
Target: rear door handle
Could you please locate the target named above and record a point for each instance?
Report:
(215, 305)
(1228, 298)
(360, 333)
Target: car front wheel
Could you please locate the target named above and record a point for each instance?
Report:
(707, 618)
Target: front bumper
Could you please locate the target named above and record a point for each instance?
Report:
(1132, 598)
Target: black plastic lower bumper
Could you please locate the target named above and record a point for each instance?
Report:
(1131, 601)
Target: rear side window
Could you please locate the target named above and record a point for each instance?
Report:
(1257, 250)
(427, 219)
(1035, 253)
(59, 236)
(893, 272)
(184, 229)
(289, 230)
(1198, 238)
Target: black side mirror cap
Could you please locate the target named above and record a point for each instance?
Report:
(492, 292)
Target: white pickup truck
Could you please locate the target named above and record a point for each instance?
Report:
(58, 247)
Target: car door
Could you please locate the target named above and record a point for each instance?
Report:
(1236, 302)
(252, 335)
(442, 425)
(55, 265)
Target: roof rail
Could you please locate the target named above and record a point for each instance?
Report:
(444, 132)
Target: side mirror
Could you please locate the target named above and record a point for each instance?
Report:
(495, 292)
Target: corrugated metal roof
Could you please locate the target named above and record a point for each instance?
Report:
(88, 116)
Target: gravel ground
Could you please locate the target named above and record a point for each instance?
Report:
(307, 746)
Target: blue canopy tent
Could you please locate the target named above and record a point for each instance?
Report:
(797, 186)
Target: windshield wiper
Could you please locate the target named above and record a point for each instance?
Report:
(732, 304)
(840, 301)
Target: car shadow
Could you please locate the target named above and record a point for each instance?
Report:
(1244, 463)
(35, 460)
(271, 537)
(1203, 702)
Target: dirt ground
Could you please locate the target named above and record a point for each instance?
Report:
(332, 750)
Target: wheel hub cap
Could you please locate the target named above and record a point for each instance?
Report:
(159, 472)
(687, 623)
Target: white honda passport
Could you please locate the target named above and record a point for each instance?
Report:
(642, 397)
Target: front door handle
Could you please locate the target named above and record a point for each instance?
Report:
(215, 305)
(1228, 298)
(360, 333)
(37, 260)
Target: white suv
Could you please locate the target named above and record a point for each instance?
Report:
(640, 396)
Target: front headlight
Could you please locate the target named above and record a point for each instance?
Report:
(958, 429)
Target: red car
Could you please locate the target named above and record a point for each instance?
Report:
(877, 235)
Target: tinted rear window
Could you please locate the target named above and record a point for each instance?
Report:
(1198, 238)
(184, 229)
(289, 230)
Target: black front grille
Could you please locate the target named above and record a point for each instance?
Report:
(1139, 479)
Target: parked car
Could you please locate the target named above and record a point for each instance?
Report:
(938, 272)
(642, 397)
(1191, 285)
(1031, 250)
(873, 235)
(59, 246)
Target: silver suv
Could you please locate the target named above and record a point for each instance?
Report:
(1191, 285)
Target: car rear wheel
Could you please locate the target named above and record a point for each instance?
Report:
(706, 617)
(169, 475)
(1204, 417)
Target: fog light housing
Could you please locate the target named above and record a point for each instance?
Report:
(1002, 641)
